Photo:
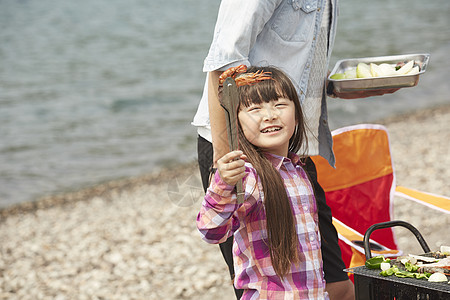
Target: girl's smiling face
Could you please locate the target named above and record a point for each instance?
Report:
(269, 125)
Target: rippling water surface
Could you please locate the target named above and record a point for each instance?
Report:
(98, 90)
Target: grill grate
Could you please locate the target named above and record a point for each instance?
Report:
(370, 285)
(375, 274)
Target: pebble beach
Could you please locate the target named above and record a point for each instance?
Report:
(137, 238)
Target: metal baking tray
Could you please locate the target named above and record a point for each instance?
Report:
(377, 83)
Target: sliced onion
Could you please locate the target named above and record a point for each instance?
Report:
(437, 277)
(384, 266)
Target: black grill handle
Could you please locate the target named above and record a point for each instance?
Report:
(389, 224)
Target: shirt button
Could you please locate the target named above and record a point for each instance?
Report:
(312, 238)
(305, 208)
(307, 6)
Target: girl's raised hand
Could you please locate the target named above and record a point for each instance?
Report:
(231, 167)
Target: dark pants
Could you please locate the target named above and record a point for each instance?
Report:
(333, 264)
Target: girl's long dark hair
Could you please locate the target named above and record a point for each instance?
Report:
(282, 238)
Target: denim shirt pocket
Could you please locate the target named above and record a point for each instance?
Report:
(294, 19)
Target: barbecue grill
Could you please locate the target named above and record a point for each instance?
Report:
(370, 285)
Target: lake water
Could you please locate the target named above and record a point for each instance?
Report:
(97, 90)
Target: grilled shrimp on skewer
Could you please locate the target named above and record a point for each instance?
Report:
(242, 78)
(442, 266)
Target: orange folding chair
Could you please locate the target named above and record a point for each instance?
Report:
(360, 190)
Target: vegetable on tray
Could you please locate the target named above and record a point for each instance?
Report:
(375, 262)
(411, 266)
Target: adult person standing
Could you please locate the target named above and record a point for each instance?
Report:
(297, 37)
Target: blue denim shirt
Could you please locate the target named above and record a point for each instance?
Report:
(280, 33)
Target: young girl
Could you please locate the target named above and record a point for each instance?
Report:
(276, 241)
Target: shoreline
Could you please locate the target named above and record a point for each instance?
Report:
(105, 188)
(136, 238)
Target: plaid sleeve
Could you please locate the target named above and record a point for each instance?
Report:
(220, 214)
(215, 219)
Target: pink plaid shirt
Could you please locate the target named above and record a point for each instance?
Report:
(220, 217)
